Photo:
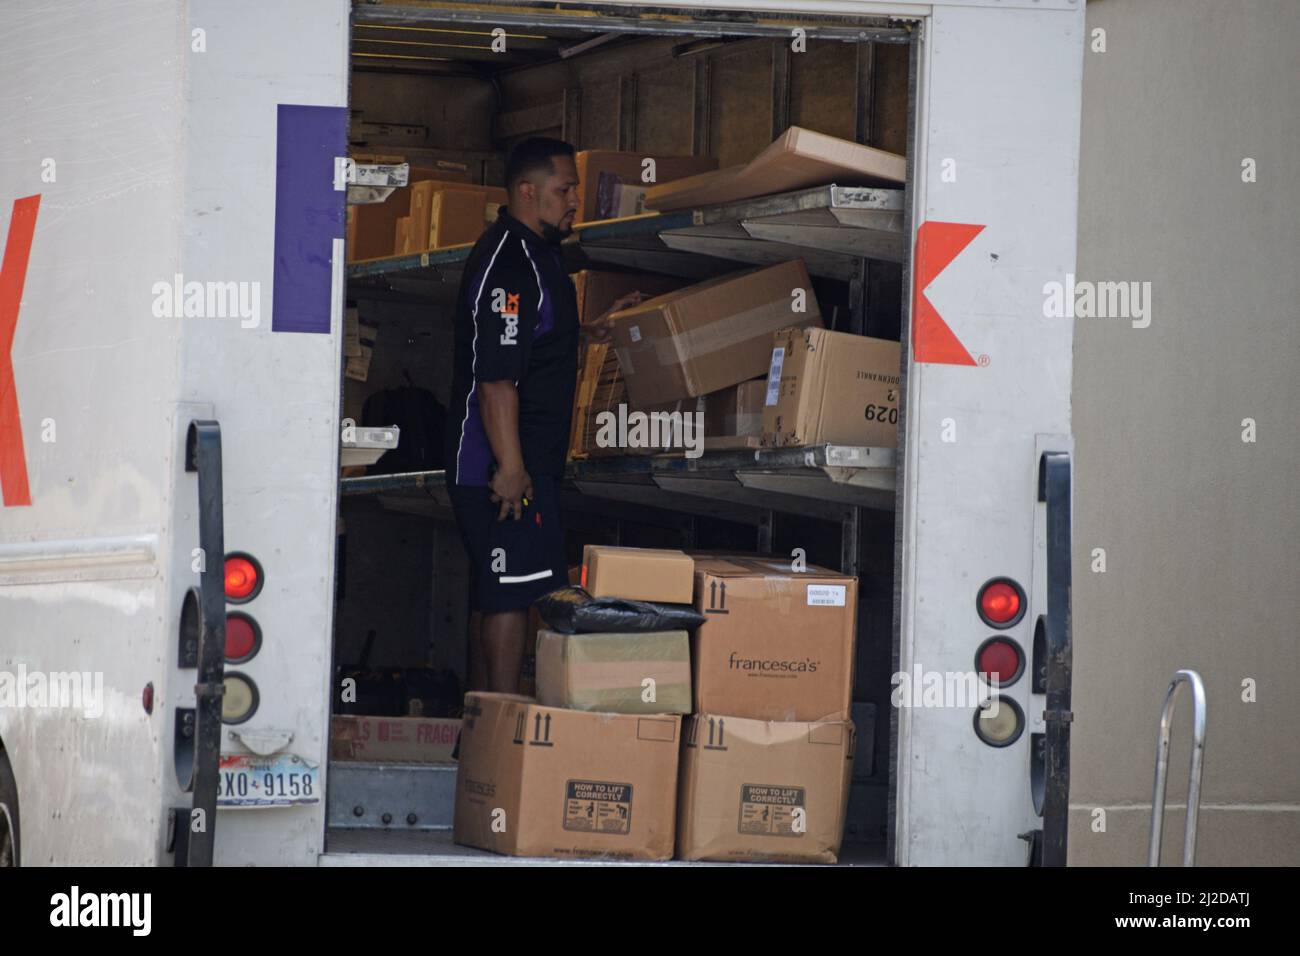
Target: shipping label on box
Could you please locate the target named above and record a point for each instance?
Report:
(540, 781)
(776, 644)
(763, 790)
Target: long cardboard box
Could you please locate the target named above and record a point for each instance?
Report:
(602, 171)
(540, 781)
(776, 644)
(639, 574)
(798, 159)
(710, 335)
(758, 790)
(831, 387)
(646, 673)
(393, 739)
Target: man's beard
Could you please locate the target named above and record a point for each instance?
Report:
(554, 233)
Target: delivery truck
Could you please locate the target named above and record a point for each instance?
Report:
(203, 310)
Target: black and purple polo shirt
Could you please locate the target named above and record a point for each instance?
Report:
(517, 320)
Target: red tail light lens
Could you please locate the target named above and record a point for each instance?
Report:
(243, 638)
(1001, 659)
(1001, 603)
(243, 577)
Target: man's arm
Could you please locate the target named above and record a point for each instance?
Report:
(498, 404)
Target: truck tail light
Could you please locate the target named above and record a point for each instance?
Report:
(240, 700)
(1001, 659)
(999, 721)
(243, 577)
(243, 637)
(1001, 603)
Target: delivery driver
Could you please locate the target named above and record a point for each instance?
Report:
(516, 364)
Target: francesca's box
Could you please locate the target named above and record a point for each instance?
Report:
(395, 739)
(831, 387)
(763, 790)
(639, 574)
(775, 644)
(540, 781)
(646, 673)
(711, 335)
(602, 171)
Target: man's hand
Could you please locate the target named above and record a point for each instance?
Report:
(511, 489)
(600, 329)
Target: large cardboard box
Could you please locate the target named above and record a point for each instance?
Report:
(598, 289)
(775, 644)
(831, 387)
(763, 790)
(602, 171)
(710, 335)
(798, 159)
(737, 410)
(639, 574)
(393, 739)
(609, 672)
(540, 781)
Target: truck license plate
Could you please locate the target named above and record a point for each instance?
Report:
(280, 780)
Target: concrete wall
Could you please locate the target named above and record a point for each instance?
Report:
(1201, 529)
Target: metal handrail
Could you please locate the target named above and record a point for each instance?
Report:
(1193, 679)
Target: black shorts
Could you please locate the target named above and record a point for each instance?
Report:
(512, 563)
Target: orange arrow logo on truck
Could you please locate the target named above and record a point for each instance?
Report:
(13, 272)
(937, 244)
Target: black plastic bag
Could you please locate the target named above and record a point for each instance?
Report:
(571, 610)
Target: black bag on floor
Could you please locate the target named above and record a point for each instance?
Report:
(571, 610)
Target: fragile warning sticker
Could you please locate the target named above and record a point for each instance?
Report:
(594, 806)
(767, 810)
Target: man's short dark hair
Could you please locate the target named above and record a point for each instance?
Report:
(533, 154)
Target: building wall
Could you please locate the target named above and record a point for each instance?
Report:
(1201, 529)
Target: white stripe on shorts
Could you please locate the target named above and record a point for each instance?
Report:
(521, 578)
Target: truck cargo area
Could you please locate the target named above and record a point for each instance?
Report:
(438, 89)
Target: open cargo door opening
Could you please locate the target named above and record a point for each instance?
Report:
(445, 92)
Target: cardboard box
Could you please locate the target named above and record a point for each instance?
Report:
(798, 159)
(608, 672)
(598, 290)
(609, 168)
(375, 222)
(776, 644)
(393, 739)
(710, 335)
(831, 387)
(763, 790)
(540, 781)
(455, 216)
(639, 574)
(736, 411)
(402, 243)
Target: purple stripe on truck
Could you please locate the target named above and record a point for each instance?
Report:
(309, 214)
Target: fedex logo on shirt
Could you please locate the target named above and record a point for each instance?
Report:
(506, 305)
